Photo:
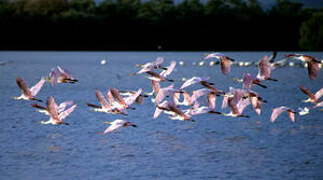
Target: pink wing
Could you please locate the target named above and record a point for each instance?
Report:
(67, 112)
(198, 93)
(291, 115)
(319, 94)
(193, 80)
(23, 87)
(213, 55)
(312, 69)
(131, 99)
(243, 103)
(35, 89)
(225, 102)
(225, 65)
(51, 107)
(277, 111)
(169, 70)
(99, 96)
(159, 110)
(63, 105)
(264, 68)
(163, 93)
(53, 74)
(155, 86)
(64, 71)
(320, 104)
(247, 81)
(158, 61)
(256, 104)
(115, 93)
(211, 100)
(112, 127)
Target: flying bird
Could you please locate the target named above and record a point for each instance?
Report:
(55, 117)
(150, 66)
(118, 123)
(264, 69)
(313, 98)
(312, 63)
(26, 93)
(225, 61)
(277, 111)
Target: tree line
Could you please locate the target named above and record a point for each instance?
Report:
(214, 25)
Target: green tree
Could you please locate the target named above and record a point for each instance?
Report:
(311, 33)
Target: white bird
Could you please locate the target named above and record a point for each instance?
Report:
(150, 66)
(118, 123)
(26, 93)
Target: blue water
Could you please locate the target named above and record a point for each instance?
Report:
(212, 147)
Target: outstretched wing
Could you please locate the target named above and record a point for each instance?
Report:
(319, 94)
(67, 112)
(23, 87)
(169, 70)
(276, 112)
(131, 99)
(51, 107)
(101, 99)
(35, 89)
(307, 92)
(225, 65)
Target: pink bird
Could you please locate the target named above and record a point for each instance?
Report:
(225, 61)
(312, 63)
(55, 117)
(26, 93)
(313, 98)
(150, 66)
(264, 69)
(123, 103)
(118, 123)
(236, 103)
(277, 111)
(167, 91)
(61, 76)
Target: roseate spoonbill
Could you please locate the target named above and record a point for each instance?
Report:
(277, 111)
(166, 91)
(150, 66)
(157, 77)
(139, 99)
(236, 103)
(123, 103)
(264, 69)
(116, 124)
(55, 117)
(313, 98)
(312, 63)
(178, 114)
(225, 61)
(26, 93)
(194, 80)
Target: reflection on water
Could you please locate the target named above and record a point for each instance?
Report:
(212, 147)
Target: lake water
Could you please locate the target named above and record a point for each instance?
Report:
(213, 147)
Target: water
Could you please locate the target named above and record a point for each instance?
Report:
(212, 147)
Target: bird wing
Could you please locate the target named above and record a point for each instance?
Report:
(243, 103)
(308, 93)
(276, 112)
(164, 92)
(139, 100)
(169, 70)
(320, 104)
(211, 100)
(35, 89)
(319, 94)
(38, 106)
(131, 99)
(67, 112)
(158, 61)
(256, 104)
(225, 65)
(213, 55)
(64, 71)
(155, 86)
(23, 87)
(115, 93)
(53, 75)
(193, 80)
(113, 127)
(291, 115)
(51, 107)
(198, 93)
(99, 96)
(225, 102)
(312, 69)
(174, 109)
(247, 81)
(159, 109)
(63, 105)
(264, 68)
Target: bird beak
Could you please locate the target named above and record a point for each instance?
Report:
(133, 125)
(107, 122)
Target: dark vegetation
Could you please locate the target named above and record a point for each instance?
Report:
(158, 24)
